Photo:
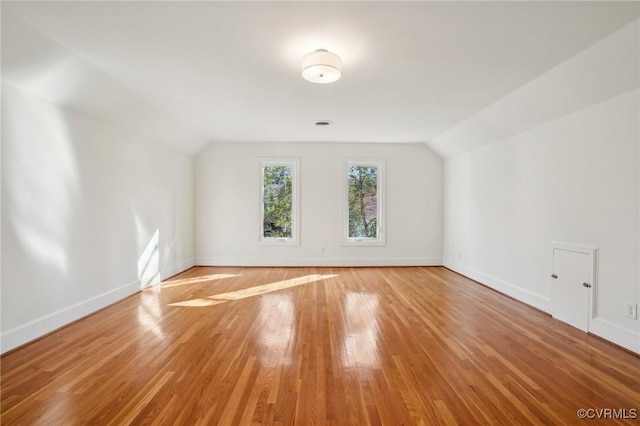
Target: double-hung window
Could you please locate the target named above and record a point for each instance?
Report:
(279, 199)
(363, 202)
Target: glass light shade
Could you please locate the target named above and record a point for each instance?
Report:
(321, 67)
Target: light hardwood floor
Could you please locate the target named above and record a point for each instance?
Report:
(342, 346)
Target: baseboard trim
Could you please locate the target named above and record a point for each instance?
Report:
(46, 324)
(536, 300)
(628, 339)
(180, 267)
(315, 261)
(32, 330)
(614, 333)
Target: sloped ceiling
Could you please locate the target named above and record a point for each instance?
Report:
(608, 68)
(229, 71)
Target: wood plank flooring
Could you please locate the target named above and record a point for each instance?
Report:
(338, 346)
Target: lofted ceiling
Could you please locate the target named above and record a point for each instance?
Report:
(230, 71)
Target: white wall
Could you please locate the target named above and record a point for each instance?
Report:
(81, 201)
(228, 205)
(572, 180)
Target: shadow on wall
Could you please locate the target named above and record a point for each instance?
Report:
(40, 178)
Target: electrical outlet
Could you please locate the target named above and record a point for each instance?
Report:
(632, 311)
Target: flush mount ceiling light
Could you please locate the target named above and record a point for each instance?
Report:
(321, 67)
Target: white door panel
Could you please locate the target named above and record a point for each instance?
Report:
(571, 287)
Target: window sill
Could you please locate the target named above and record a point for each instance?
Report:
(355, 242)
(275, 242)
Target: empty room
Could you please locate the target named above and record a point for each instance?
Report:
(341, 213)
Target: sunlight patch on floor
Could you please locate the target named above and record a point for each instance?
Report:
(196, 280)
(251, 291)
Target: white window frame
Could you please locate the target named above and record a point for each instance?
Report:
(380, 239)
(293, 162)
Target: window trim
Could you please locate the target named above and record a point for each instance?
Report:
(380, 240)
(293, 162)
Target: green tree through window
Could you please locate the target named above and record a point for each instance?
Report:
(363, 201)
(278, 201)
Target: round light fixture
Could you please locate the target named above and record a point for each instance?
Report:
(321, 67)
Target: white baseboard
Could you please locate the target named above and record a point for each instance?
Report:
(628, 339)
(315, 261)
(176, 269)
(53, 321)
(46, 324)
(536, 300)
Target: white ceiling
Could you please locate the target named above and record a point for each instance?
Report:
(229, 71)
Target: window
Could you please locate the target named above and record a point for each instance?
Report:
(279, 201)
(363, 213)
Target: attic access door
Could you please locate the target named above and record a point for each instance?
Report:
(572, 284)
